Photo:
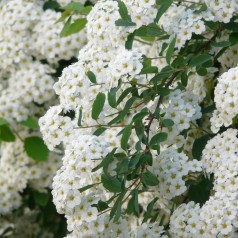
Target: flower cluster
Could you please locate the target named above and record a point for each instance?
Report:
(30, 50)
(225, 98)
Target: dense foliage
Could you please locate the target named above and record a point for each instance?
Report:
(142, 136)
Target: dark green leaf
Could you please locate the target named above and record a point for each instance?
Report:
(184, 78)
(221, 44)
(158, 138)
(200, 192)
(41, 198)
(91, 77)
(149, 209)
(199, 60)
(134, 161)
(170, 50)
(133, 205)
(111, 97)
(80, 117)
(168, 122)
(125, 136)
(51, 4)
(112, 184)
(122, 22)
(86, 188)
(116, 209)
(101, 206)
(149, 179)
(233, 38)
(99, 131)
(129, 41)
(35, 148)
(6, 134)
(198, 146)
(163, 8)
(98, 105)
(123, 10)
(106, 161)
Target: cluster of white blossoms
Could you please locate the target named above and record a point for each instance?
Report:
(23, 226)
(106, 58)
(222, 10)
(47, 43)
(226, 95)
(184, 23)
(182, 107)
(171, 167)
(22, 170)
(218, 217)
(29, 37)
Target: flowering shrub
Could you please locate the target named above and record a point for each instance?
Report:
(145, 121)
(32, 55)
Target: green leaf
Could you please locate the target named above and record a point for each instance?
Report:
(98, 105)
(86, 10)
(86, 188)
(168, 122)
(105, 162)
(36, 149)
(73, 28)
(31, 122)
(80, 117)
(76, 6)
(199, 60)
(111, 97)
(233, 38)
(200, 192)
(133, 205)
(151, 30)
(134, 161)
(123, 10)
(125, 136)
(51, 4)
(41, 198)
(149, 179)
(163, 8)
(6, 134)
(112, 184)
(116, 209)
(149, 210)
(221, 44)
(91, 77)
(125, 94)
(99, 131)
(170, 50)
(184, 78)
(122, 22)
(101, 206)
(66, 27)
(198, 146)
(129, 41)
(122, 166)
(158, 138)
(2, 121)
(124, 112)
